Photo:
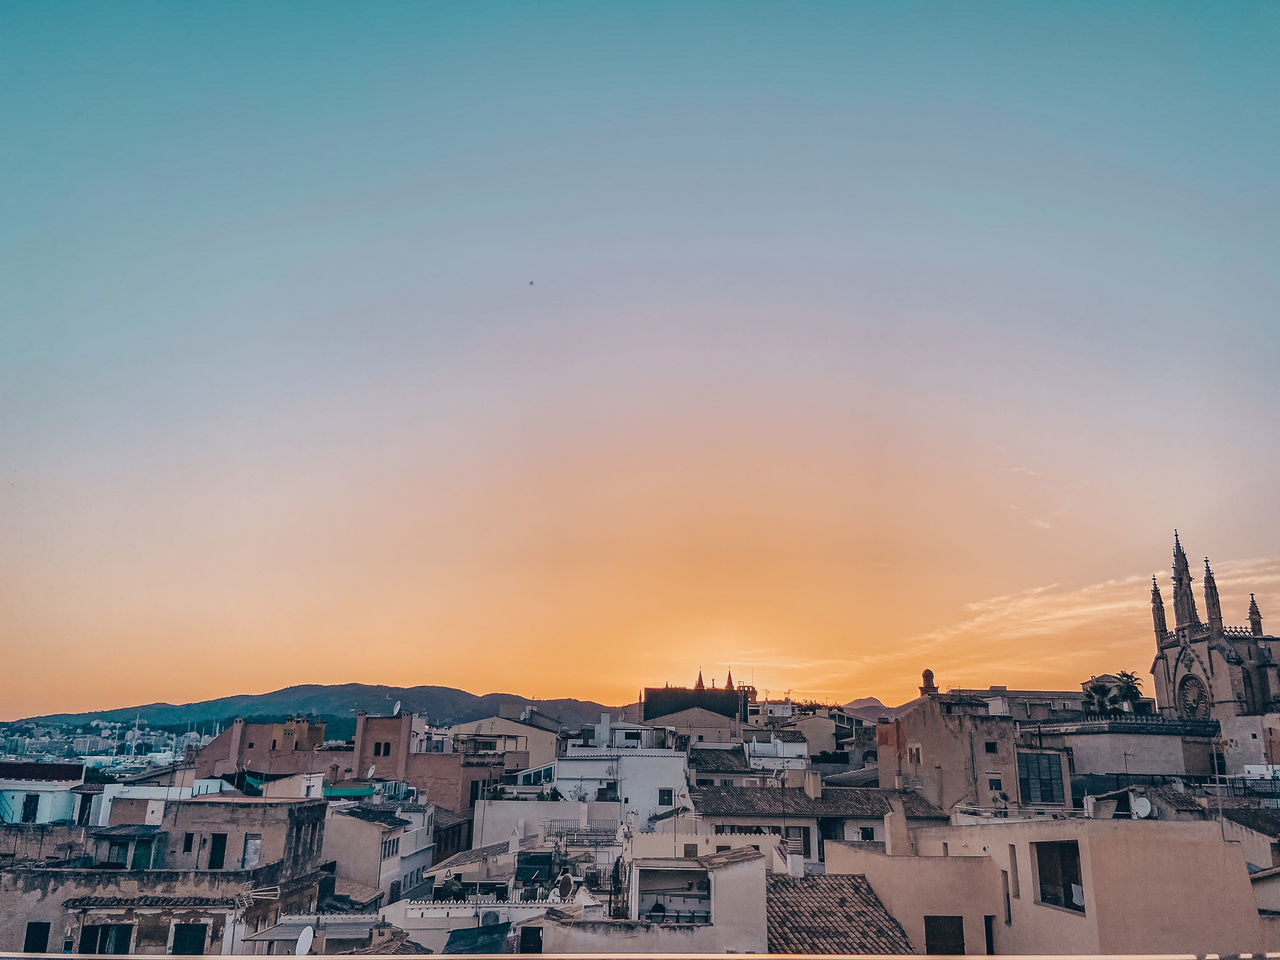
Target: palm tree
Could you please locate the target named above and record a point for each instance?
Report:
(1128, 688)
(1098, 698)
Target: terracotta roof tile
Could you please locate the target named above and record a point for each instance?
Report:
(848, 802)
(830, 913)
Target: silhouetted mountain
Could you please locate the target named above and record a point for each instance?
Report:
(339, 704)
(869, 709)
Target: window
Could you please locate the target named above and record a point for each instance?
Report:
(105, 937)
(666, 797)
(993, 746)
(1004, 894)
(250, 745)
(706, 782)
(188, 841)
(1040, 777)
(866, 833)
(690, 851)
(37, 940)
(30, 807)
(273, 744)
(1057, 864)
(944, 935)
(913, 753)
(721, 847)
(252, 851)
(189, 938)
(994, 784)
(631, 735)
(377, 749)
(727, 782)
(217, 851)
(1015, 887)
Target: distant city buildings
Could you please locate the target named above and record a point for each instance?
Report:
(967, 820)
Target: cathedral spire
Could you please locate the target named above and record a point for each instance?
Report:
(1255, 617)
(699, 685)
(1212, 606)
(728, 681)
(1157, 613)
(1184, 601)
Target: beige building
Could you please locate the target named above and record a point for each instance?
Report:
(703, 726)
(712, 904)
(951, 750)
(806, 817)
(522, 744)
(1063, 886)
(383, 846)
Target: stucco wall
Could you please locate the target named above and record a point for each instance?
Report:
(1149, 886)
(912, 888)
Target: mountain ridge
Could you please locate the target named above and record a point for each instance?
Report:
(333, 702)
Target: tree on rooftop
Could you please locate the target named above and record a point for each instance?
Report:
(1128, 688)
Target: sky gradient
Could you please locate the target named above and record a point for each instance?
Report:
(563, 349)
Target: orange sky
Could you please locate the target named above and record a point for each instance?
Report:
(562, 353)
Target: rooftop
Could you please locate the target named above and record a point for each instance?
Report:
(386, 818)
(1263, 821)
(830, 913)
(706, 760)
(847, 802)
(39, 772)
(781, 735)
(122, 903)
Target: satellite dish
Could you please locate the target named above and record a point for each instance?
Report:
(395, 711)
(1141, 807)
(372, 767)
(489, 918)
(304, 941)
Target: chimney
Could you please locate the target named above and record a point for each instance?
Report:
(813, 785)
(897, 841)
(795, 865)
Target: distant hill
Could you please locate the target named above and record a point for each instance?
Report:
(338, 704)
(869, 708)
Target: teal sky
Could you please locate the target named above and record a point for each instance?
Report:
(715, 327)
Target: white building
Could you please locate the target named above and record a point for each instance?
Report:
(38, 792)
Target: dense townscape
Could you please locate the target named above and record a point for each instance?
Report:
(703, 818)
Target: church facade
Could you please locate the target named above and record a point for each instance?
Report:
(1203, 669)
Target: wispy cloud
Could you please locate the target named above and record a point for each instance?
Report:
(1051, 635)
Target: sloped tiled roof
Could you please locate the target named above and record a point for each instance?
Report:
(386, 818)
(706, 760)
(725, 858)
(832, 913)
(845, 802)
(106, 903)
(446, 818)
(1265, 822)
(484, 853)
(1182, 802)
(789, 736)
